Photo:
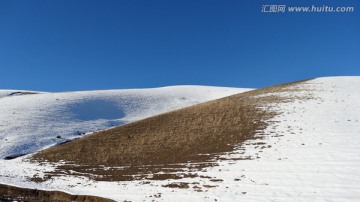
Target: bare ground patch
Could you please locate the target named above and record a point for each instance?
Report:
(12, 193)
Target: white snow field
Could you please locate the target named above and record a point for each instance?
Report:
(32, 122)
(311, 152)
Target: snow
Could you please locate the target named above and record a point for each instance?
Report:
(314, 156)
(32, 122)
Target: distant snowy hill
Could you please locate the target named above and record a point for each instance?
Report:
(29, 122)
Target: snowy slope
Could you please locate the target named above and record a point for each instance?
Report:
(311, 153)
(31, 122)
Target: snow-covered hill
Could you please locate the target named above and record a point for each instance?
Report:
(309, 152)
(29, 122)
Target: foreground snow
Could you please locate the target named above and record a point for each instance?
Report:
(311, 153)
(32, 122)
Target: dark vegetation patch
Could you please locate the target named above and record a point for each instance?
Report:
(209, 186)
(216, 180)
(160, 147)
(180, 185)
(11, 193)
(13, 156)
(21, 93)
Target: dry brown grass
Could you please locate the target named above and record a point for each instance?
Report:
(35, 195)
(162, 142)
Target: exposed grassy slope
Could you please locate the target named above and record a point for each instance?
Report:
(174, 137)
(35, 195)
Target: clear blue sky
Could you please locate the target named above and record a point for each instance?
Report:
(67, 45)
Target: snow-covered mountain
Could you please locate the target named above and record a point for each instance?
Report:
(308, 152)
(29, 122)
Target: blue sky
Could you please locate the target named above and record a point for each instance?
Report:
(67, 45)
